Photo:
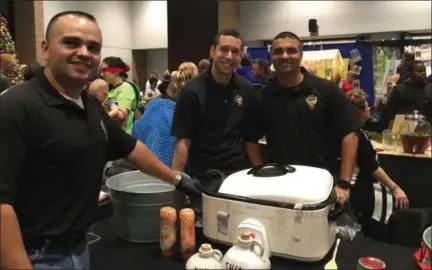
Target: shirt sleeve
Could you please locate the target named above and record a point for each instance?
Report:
(126, 97)
(345, 114)
(251, 130)
(120, 143)
(185, 114)
(110, 102)
(367, 158)
(394, 101)
(15, 122)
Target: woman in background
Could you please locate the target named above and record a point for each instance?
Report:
(154, 127)
(371, 182)
(186, 71)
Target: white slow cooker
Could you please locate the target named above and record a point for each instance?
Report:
(296, 205)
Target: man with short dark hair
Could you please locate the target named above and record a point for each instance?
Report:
(261, 70)
(214, 112)
(405, 67)
(306, 119)
(203, 65)
(412, 95)
(54, 149)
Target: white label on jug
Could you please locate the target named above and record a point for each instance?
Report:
(231, 266)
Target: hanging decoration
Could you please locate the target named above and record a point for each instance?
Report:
(355, 55)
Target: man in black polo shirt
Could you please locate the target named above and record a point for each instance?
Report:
(306, 119)
(54, 143)
(214, 113)
(411, 95)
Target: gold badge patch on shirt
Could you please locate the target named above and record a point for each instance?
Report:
(311, 101)
(238, 99)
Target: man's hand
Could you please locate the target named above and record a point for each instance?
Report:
(342, 194)
(189, 186)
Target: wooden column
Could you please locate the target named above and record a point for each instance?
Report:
(192, 26)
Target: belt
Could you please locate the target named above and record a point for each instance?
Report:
(68, 241)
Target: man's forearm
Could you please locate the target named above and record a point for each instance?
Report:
(348, 156)
(180, 155)
(12, 254)
(254, 153)
(147, 162)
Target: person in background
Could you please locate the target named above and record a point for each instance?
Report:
(186, 72)
(337, 79)
(405, 67)
(113, 71)
(245, 69)
(174, 75)
(347, 85)
(261, 70)
(31, 70)
(153, 91)
(165, 83)
(203, 65)
(100, 90)
(154, 74)
(6, 66)
(154, 128)
(411, 96)
(54, 149)
(370, 182)
(301, 118)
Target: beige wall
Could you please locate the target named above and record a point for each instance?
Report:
(29, 22)
(228, 14)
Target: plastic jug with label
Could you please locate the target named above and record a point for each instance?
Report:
(206, 258)
(247, 253)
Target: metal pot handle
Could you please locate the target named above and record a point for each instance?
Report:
(271, 169)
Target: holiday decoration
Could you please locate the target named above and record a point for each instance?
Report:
(8, 53)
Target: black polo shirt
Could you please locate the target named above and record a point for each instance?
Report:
(52, 153)
(304, 125)
(217, 119)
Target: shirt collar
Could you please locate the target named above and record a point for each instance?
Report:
(234, 82)
(49, 94)
(305, 84)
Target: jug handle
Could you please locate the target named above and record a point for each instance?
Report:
(217, 254)
(261, 248)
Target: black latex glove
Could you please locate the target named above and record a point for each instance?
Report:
(189, 186)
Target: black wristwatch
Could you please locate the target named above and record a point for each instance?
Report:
(343, 184)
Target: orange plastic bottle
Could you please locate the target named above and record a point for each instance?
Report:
(187, 232)
(168, 237)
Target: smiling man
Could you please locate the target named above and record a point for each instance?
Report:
(214, 112)
(54, 143)
(306, 119)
